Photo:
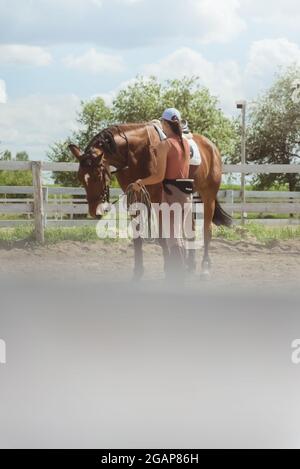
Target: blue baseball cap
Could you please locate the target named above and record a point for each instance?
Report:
(171, 114)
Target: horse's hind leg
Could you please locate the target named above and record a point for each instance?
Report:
(138, 259)
(166, 255)
(191, 262)
(209, 210)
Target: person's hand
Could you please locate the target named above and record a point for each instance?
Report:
(137, 185)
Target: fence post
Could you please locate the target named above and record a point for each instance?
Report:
(45, 199)
(230, 200)
(36, 168)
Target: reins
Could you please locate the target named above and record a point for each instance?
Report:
(105, 141)
(135, 199)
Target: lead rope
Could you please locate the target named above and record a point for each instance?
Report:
(143, 197)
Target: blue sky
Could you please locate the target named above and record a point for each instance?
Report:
(53, 53)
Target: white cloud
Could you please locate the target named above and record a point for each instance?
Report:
(279, 14)
(131, 23)
(17, 54)
(224, 79)
(120, 23)
(111, 95)
(3, 96)
(227, 79)
(34, 122)
(219, 20)
(268, 54)
(127, 2)
(95, 62)
(98, 3)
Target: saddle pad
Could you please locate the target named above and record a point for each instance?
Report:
(160, 132)
(195, 152)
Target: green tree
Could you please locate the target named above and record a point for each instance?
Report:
(15, 178)
(140, 101)
(22, 156)
(273, 133)
(202, 111)
(144, 100)
(93, 116)
(6, 156)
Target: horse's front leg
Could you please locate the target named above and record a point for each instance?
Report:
(166, 255)
(138, 259)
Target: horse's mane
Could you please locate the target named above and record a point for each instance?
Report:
(130, 126)
(106, 138)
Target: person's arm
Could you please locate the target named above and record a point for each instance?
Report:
(159, 175)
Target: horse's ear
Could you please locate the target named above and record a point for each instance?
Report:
(75, 151)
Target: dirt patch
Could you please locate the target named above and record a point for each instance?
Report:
(243, 262)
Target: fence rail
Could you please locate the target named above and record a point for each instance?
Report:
(53, 201)
(227, 168)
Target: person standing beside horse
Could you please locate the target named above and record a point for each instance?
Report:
(127, 148)
(173, 155)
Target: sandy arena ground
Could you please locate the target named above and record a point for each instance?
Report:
(94, 364)
(247, 263)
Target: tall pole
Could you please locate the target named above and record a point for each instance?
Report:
(244, 160)
(243, 106)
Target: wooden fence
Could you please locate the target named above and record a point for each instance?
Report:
(50, 205)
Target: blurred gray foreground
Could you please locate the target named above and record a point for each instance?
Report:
(95, 365)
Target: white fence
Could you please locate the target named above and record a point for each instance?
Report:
(43, 205)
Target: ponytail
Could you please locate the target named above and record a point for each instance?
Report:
(177, 129)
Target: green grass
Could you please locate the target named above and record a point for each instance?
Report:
(257, 232)
(81, 233)
(235, 187)
(250, 187)
(25, 233)
(15, 234)
(265, 216)
(251, 232)
(265, 234)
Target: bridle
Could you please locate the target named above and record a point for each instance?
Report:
(105, 141)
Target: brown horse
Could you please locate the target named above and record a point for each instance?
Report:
(130, 149)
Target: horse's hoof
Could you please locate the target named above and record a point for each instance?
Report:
(137, 276)
(191, 268)
(205, 272)
(136, 279)
(205, 275)
(190, 272)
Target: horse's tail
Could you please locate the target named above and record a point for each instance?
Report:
(221, 217)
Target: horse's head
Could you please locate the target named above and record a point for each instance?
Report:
(94, 175)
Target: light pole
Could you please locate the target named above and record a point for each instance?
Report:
(296, 91)
(242, 105)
